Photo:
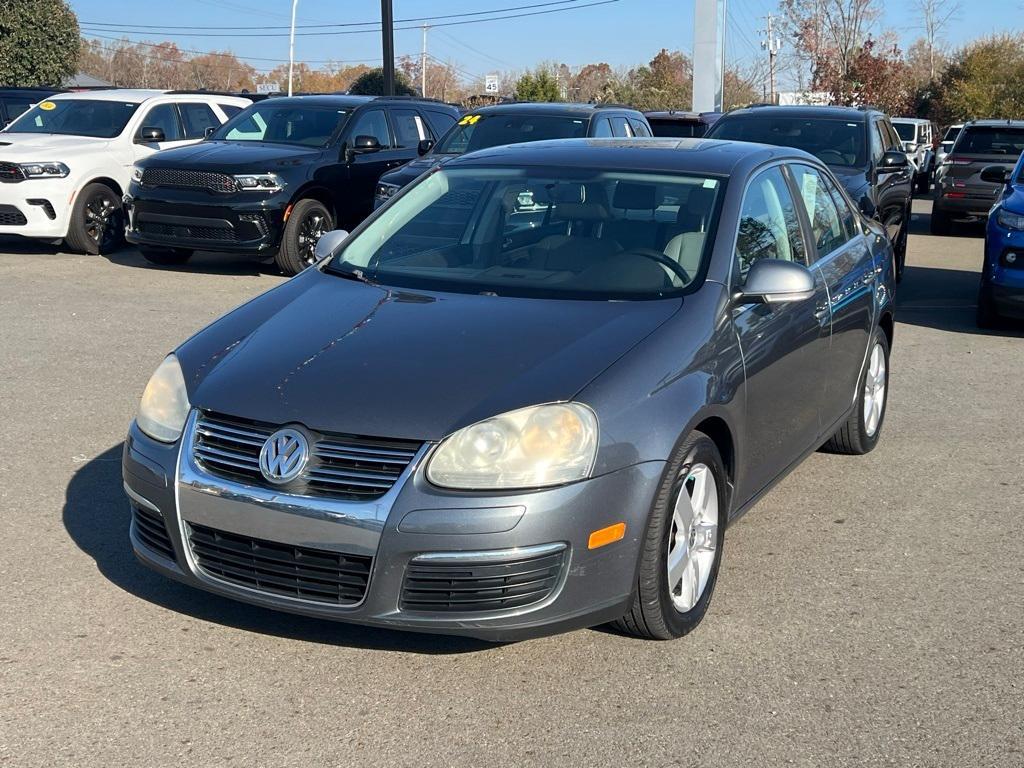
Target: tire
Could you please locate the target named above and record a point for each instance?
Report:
(308, 220)
(654, 613)
(924, 183)
(940, 223)
(97, 221)
(856, 436)
(987, 318)
(165, 256)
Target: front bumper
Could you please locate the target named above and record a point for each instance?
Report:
(411, 527)
(236, 223)
(36, 208)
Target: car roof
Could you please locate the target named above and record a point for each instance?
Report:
(682, 116)
(700, 156)
(567, 109)
(994, 123)
(918, 120)
(135, 95)
(803, 111)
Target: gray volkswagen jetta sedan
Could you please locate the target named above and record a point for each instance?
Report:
(528, 394)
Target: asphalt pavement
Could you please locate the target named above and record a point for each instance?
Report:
(870, 610)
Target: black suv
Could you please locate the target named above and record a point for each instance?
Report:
(516, 123)
(859, 146)
(276, 176)
(14, 101)
(960, 190)
(681, 125)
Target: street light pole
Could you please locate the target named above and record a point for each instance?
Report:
(387, 33)
(291, 48)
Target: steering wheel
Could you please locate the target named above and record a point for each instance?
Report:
(673, 265)
(839, 158)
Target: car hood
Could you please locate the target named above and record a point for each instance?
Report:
(411, 170)
(342, 356)
(233, 156)
(36, 147)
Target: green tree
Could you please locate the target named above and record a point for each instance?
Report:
(984, 79)
(538, 86)
(39, 42)
(372, 84)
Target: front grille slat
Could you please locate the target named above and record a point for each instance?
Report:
(152, 531)
(11, 173)
(354, 468)
(481, 586)
(283, 569)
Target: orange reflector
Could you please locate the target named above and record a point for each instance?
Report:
(287, 212)
(608, 535)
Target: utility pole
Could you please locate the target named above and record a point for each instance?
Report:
(387, 33)
(771, 44)
(291, 48)
(423, 64)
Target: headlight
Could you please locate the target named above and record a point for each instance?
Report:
(259, 182)
(533, 447)
(44, 170)
(1009, 220)
(386, 191)
(164, 405)
(137, 173)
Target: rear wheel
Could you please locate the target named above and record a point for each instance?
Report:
(860, 433)
(97, 220)
(940, 223)
(308, 221)
(682, 548)
(165, 256)
(924, 182)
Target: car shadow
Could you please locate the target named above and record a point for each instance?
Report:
(920, 224)
(96, 516)
(946, 300)
(201, 263)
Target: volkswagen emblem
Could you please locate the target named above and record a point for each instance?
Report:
(284, 456)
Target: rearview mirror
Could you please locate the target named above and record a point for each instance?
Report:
(366, 144)
(774, 281)
(149, 135)
(893, 160)
(424, 146)
(995, 174)
(210, 129)
(329, 243)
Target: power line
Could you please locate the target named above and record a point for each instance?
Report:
(477, 51)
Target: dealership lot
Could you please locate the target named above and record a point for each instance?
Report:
(870, 610)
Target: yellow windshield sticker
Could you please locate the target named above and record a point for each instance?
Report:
(470, 120)
(47, 105)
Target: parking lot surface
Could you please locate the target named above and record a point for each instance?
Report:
(870, 610)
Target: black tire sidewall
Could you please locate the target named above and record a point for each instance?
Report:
(289, 259)
(79, 239)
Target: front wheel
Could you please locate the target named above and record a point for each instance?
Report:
(860, 433)
(97, 220)
(308, 221)
(682, 546)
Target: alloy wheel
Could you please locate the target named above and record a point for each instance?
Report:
(102, 218)
(874, 390)
(313, 227)
(693, 538)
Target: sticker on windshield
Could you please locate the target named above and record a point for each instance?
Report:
(710, 183)
(470, 119)
(47, 105)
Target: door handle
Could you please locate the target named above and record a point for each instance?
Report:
(821, 312)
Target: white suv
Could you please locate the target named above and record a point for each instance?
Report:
(916, 135)
(66, 162)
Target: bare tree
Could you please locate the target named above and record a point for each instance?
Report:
(831, 31)
(935, 15)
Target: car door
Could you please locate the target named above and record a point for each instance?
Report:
(846, 263)
(365, 168)
(892, 186)
(784, 346)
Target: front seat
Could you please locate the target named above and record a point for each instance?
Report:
(692, 224)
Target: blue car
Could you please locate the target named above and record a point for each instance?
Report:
(1001, 294)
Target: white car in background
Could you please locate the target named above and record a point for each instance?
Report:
(946, 145)
(916, 135)
(66, 162)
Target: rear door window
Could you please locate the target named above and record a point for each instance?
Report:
(196, 118)
(620, 126)
(230, 109)
(440, 122)
(639, 128)
(409, 127)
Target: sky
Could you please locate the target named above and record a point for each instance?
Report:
(621, 32)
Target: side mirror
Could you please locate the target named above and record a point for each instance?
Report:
(774, 281)
(424, 146)
(149, 135)
(995, 174)
(366, 144)
(893, 160)
(210, 130)
(329, 243)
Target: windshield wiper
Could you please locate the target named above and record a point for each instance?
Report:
(351, 274)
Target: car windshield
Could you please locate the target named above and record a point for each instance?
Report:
(990, 140)
(304, 125)
(475, 132)
(834, 142)
(906, 131)
(97, 118)
(540, 232)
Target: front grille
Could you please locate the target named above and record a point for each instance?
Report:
(152, 531)
(191, 231)
(11, 173)
(281, 569)
(11, 217)
(340, 466)
(173, 177)
(480, 586)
